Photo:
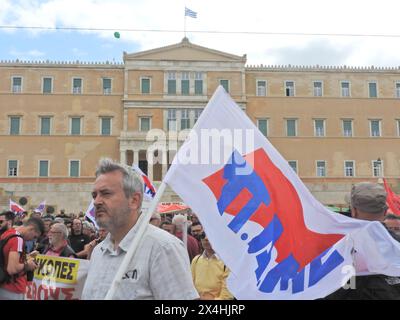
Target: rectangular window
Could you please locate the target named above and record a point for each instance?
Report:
(349, 169)
(347, 128)
(375, 126)
(319, 128)
(321, 168)
(317, 88)
(197, 113)
(345, 88)
(293, 165)
(198, 83)
(261, 88)
(16, 84)
(372, 90)
(397, 93)
(185, 121)
(171, 83)
(398, 128)
(106, 86)
(45, 126)
(43, 168)
(225, 84)
(74, 168)
(12, 168)
(185, 83)
(15, 125)
(145, 85)
(47, 85)
(291, 127)
(75, 126)
(105, 126)
(289, 88)
(377, 167)
(76, 85)
(262, 125)
(171, 120)
(144, 124)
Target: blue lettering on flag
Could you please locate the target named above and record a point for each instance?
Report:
(287, 269)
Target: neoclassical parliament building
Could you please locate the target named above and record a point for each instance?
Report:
(335, 125)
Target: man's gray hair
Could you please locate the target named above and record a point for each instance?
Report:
(131, 181)
(63, 228)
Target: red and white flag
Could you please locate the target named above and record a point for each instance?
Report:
(278, 241)
(392, 200)
(15, 207)
(149, 190)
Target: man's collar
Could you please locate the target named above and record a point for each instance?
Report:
(125, 243)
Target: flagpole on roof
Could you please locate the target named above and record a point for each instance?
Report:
(184, 25)
(142, 222)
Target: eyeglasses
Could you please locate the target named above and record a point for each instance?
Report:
(53, 232)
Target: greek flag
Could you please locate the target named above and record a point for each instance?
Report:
(190, 13)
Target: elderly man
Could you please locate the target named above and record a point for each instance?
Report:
(58, 244)
(160, 268)
(368, 202)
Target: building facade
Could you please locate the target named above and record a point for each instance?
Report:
(335, 125)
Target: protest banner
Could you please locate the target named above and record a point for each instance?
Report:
(57, 278)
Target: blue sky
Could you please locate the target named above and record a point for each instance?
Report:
(258, 21)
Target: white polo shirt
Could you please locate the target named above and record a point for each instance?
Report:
(159, 270)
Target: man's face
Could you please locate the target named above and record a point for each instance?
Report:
(55, 235)
(197, 230)
(31, 233)
(77, 226)
(3, 224)
(102, 233)
(113, 208)
(393, 225)
(169, 228)
(47, 226)
(206, 244)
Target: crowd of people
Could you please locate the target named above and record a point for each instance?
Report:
(175, 260)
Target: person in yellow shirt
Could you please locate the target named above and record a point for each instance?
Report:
(209, 274)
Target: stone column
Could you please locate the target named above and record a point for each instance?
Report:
(150, 171)
(136, 157)
(122, 156)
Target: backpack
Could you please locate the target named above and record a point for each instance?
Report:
(4, 276)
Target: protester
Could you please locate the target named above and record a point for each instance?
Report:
(155, 219)
(58, 244)
(160, 268)
(192, 245)
(102, 234)
(6, 221)
(62, 214)
(368, 202)
(168, 226)
(77, 239)
(210, 273)
(43, 241)
(392, 222)
(89, 230)
(16, 262)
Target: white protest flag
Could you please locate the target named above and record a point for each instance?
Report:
(91, 214)
(278, 241)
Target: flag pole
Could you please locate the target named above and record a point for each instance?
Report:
(184, 25)
(143, 222)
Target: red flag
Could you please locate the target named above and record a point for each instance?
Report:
(15, 207)
(393, 200)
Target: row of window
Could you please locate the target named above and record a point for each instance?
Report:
(48, 86)
(187, 85)
(318, 88)
(46, 125)
(375, 127)
(349, 168)
(321, 168)
(44, 168)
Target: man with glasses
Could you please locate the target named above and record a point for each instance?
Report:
(58, 244)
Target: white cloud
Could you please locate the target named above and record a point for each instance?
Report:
(27, 55)
(307, 16)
